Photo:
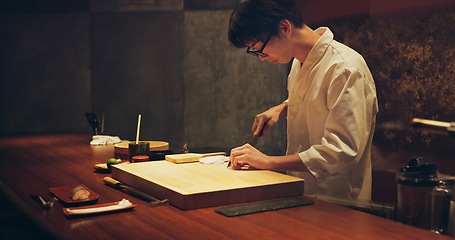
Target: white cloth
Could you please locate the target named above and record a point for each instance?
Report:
(104, 139)
(332, 109)
(214, 159)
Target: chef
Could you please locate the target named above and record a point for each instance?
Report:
(331, 107)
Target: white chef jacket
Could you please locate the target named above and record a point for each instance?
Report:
(331, 117)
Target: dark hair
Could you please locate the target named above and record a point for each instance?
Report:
(255, 20)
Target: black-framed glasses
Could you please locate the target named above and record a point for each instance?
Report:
(258, 53)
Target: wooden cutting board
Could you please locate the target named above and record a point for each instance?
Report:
(196, 185)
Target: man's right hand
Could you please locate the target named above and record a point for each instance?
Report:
(263, 122)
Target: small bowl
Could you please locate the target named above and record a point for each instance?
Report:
(121, 149)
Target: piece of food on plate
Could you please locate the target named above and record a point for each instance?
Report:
(79, 193)
(112, 161)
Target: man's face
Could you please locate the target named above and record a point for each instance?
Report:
(275, 50)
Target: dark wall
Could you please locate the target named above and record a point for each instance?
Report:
(323, 10)
(137, 68)
(62, 60)
(169, 61)
(44, 72)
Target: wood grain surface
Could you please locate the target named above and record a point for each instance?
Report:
(32, 164)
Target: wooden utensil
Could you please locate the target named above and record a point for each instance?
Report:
(190, 157)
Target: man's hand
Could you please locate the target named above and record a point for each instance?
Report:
(263, 122)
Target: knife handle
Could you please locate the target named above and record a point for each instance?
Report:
(111, 182)
(118, 185)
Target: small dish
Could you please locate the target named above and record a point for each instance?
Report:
(63, 193)
(101, 167)
(99, 208)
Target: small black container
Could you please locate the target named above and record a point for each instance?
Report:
(158, 154)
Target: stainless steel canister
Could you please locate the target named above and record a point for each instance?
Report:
(425, 197)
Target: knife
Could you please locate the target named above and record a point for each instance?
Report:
(120, 186)
(434, 126)
(253, 141)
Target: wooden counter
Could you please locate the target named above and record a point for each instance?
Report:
(32, 164)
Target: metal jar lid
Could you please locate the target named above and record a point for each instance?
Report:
(420, 173)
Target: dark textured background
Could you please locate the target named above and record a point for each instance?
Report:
(411, 56)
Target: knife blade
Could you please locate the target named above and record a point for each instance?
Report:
(433, 126)
(254, 140)
(120, 186)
